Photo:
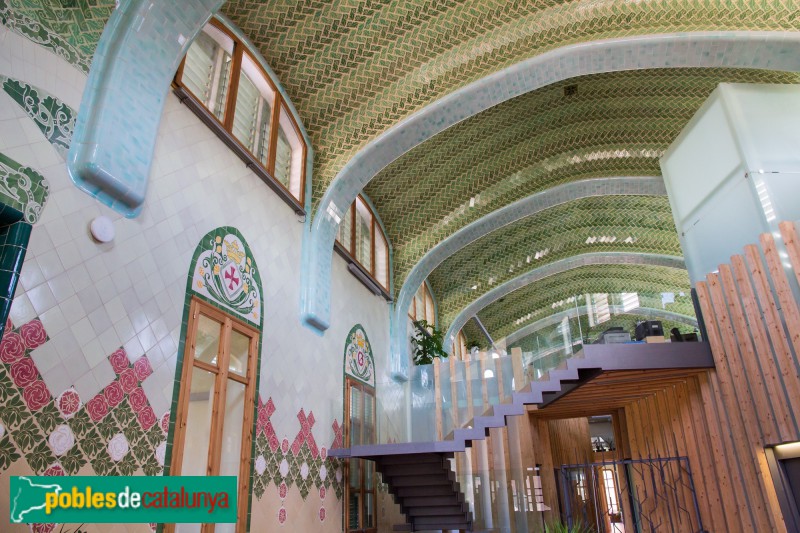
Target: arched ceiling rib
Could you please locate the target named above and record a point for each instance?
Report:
(353, 69)
(536, 300)
(635, 223)
(617, 124)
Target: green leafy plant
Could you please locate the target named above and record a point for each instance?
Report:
(560, 527)
(427, 343)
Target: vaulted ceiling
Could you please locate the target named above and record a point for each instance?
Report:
(354, 69)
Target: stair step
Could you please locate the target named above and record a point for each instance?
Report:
(437, 511)
(423, 491)
(421, 481)
(402, 527)
(467, 526)
(432, 501)
(410, 470)
(411, 459)
(446, 521)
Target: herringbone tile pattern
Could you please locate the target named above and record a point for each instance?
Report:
(355, 68)
(598, 224)
(536, 300)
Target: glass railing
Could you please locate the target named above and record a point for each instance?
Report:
(448, 394)
(439, 398)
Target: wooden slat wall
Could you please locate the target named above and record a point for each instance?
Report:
(752, 400)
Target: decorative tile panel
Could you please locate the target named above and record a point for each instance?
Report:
(53, 117)
(70, 29)
(224, 272)
(22, 188)
(358, 360)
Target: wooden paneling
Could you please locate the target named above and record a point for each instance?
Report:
(752, 399)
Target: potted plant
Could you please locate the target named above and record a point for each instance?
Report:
(427, 343)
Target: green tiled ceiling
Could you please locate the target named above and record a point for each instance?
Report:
(562, 231)
(500, 318)
(355, 68)
(70, 28)
(617, 124)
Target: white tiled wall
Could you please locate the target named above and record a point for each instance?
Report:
(93, 298)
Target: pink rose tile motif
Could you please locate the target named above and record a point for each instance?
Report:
(68, 403)
(142, 368)
(63, 434)
(12, 349)
(24, 372)
(263, 424)
(33, 334)
(119, 360)
(97, 407)
(36, 395)
(338, 441)
(114, 394)
(127, 380)
(305, 436)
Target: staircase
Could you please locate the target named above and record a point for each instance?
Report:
(418, 473)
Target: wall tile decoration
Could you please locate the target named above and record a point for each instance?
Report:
(22, 188)
(358, 360)
(99, 302)
(55, 118)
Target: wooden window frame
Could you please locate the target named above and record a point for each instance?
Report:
(414, 315)
(350, 253)
(365, 389)
(226, 125)
(222, 375)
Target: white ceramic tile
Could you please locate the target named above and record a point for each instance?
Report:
(61, 286)
(57, 379)
(87, 386)
(45, 356)
(99, 319)
(93, 353)
(73, 309)
(41, 298)
(53, 321)
(103, 373)
(31, 275)
(21, 309)
(83, 331)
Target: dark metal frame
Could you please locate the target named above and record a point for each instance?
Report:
(783, 490)
(658, 480)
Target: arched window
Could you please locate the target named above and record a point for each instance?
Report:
(224, 83)
(422, 307)
(361, 240)
(212, 424)
(360, 429)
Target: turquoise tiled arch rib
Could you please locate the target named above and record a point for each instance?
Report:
(116, 130)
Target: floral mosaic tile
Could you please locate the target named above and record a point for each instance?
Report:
(53, 117)
(22, 188)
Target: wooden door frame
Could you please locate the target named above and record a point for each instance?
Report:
(364, 388)
(228, 323)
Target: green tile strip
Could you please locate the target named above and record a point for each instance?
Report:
(53, 117)
(70, 29)
(22, 188)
